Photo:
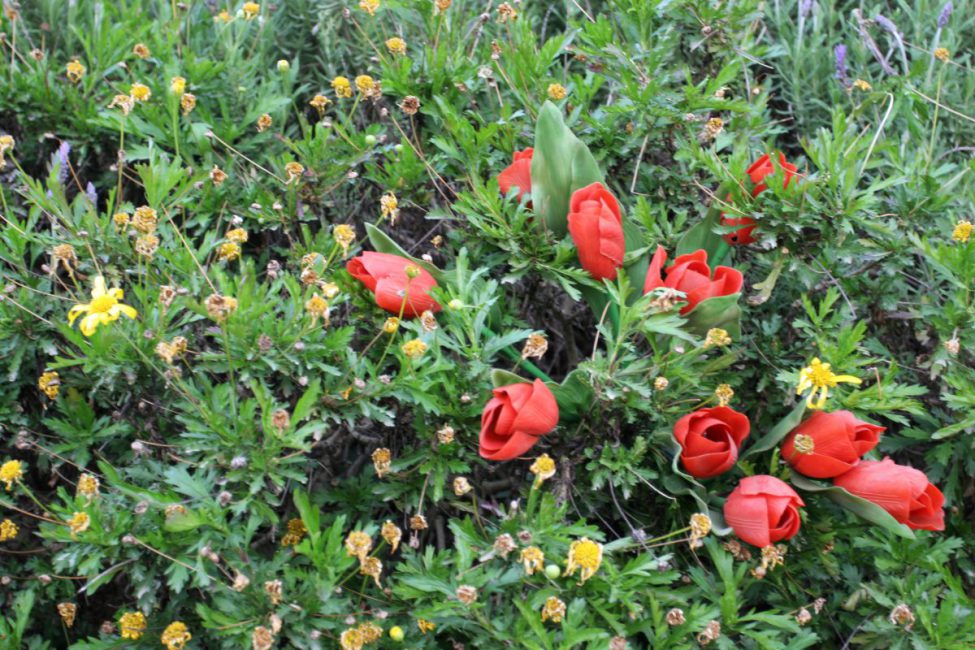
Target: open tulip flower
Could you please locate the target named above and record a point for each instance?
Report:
(105, 307)
(709, 439)
(758, 171)
(837, 441)
(763, 510)
(691, 275)
(518, 174)
(398, 284)
(515, 418)
(596, 227)
(902, 491)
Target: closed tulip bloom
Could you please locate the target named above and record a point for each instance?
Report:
(691, 275)
(515, 418)
(763, 510)
(902, 491)
(596, 227)
(838, 442)
(759, 169)
(709, 439)
(518, 174)
(388, 277)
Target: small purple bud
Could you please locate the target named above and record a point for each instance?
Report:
(887, 24)
(63, 152)
(839, 54)
(91, 193)
(805, 8)
(945, 15)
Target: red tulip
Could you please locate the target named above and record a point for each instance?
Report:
(515, 418)
(386, 276)
(763, 510)
(596, 227)
(902, 491)
(757, 172)
(518, 174)
(709, 440)
(838, 441)
(692, 275)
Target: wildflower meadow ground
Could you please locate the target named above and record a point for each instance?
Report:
(602, 324)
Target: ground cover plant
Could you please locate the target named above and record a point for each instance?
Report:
(454, 324)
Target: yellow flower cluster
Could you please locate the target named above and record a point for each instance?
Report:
(11, 472)
(176, 636)
(296, 532)
(8, 530)
(132, 625)
(50, 384)
(586, 555)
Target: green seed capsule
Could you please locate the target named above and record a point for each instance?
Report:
(553, 571)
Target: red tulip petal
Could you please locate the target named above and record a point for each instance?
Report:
(654, 279)
(540, 413)
(515, 446)
(748, 516)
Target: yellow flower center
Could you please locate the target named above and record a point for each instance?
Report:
(586, 554)
(102, 304)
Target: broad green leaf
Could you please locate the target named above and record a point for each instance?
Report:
(722, 311)
(501, 377)
(574, 395)
(857, 505)
(780, 430)
(180, 522)
(561, 164)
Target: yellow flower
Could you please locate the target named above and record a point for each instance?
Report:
(391, 325)
(294, 171)
(177, 85)
(700, 526)
(365, 83)
(132, 625)
(962, 231)
(342, 87)
(264, 123)
(79, 523)
(223, 16)
(533, 559)
(556, 92)
(358, 544)
(543, 468)
(220, 307)
(414, 349)
(860, 84)
(396, 45)
(187, 103)
(942, 54)
(11, 471)
(344, 234)
(319, 102)
(369, 6)
(8, 530)
(145, 219)
(370, 632)
(140, 92)
(141, 51)
(351, 639)
(104, 308)
(238, 235)
(389, 207)
(586, 555)
(228, 251)
(75, 71)
(317, 307)
(88, 485)
(392, 534)
(820, 378)
(382, 460)
(717, 337)
(296, 532)
(425, 625)
(7, 143)
(372, 567)
(176, 636)
(50, 384)
(67, 612)
(251, 9)
(462, 486)
(724, 393)
(554, 610)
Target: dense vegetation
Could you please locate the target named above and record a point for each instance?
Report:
(445, 324)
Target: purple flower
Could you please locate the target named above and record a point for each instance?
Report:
(887, 24)
(945, 15)
(805, 7)
(62, 157)
(839, 53)
(91, 193)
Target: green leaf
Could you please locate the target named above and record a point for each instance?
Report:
(561, 164)
(721, 311)
(857, 505)
(574, 395)
(780, 430)
(501, 377)
(383, 244)
(180, 522)
(703, 236)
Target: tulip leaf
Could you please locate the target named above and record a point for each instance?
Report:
(690, 486)
(574, 395)
(859, 506)
(637, 269)
(720, 311)
(561, 164)
(501, 377)
(780, 430)
(383, 244)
